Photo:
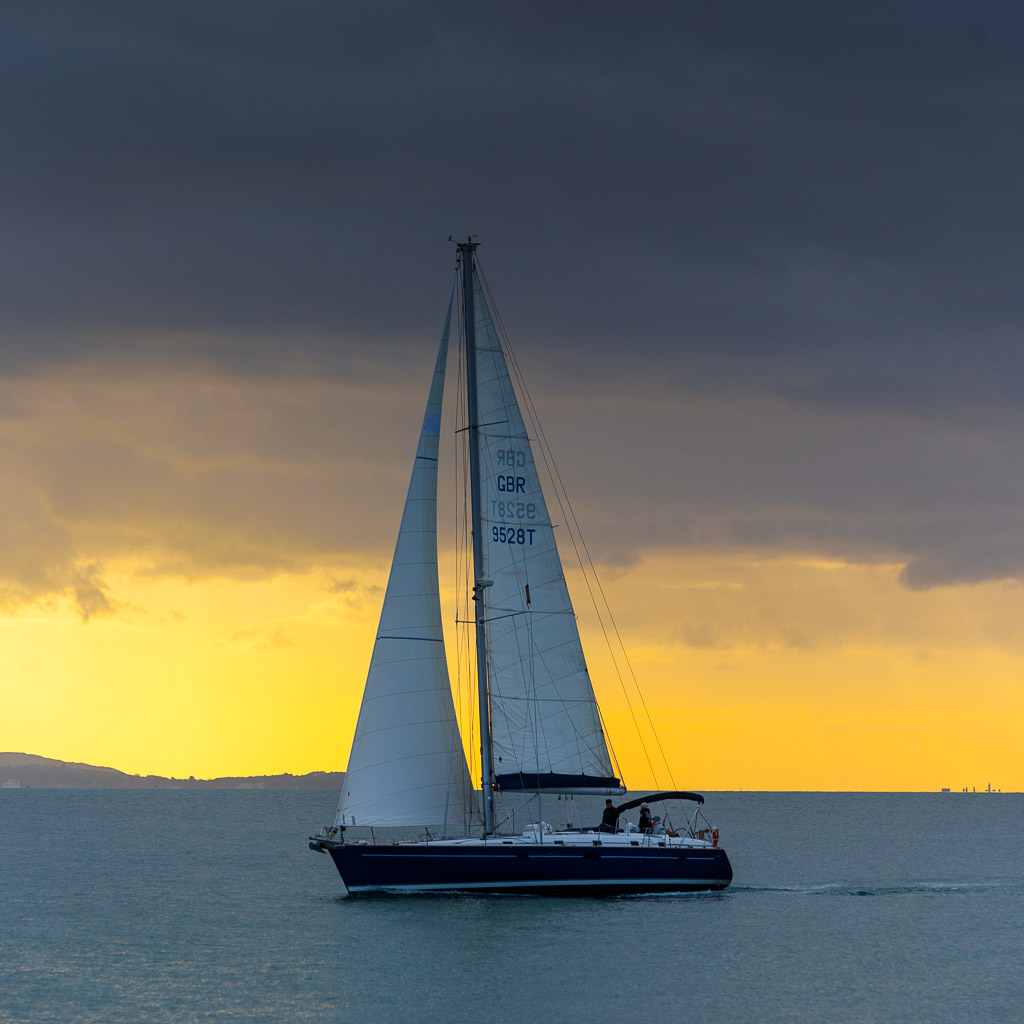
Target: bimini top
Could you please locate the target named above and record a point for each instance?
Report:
(671, 795)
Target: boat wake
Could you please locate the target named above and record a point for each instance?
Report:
(944, 888)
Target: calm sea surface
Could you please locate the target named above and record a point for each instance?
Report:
(175, 906)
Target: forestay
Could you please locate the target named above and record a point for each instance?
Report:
(545, 727)
(407, 765)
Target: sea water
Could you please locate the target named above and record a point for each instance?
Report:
(177, 906)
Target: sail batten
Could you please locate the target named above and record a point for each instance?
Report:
(407, 766)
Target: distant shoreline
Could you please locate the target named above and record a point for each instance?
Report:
(32, 771)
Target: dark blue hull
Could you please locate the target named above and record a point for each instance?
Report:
(542, 869)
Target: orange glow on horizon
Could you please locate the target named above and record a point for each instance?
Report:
(760, 673)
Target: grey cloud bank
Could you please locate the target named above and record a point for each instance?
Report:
(794, 230)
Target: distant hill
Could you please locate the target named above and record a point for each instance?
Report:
(31, 770)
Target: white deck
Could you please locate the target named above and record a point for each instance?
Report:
(546, 837)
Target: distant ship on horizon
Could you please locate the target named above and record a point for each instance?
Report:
(973, 789)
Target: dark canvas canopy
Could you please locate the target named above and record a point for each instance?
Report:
(670, 795)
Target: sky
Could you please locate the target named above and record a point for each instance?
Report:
(760, 266)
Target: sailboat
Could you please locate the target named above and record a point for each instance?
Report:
(540, 729)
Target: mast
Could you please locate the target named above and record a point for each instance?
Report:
(466, 250)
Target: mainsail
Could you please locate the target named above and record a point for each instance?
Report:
(545, 726)
(407, 765)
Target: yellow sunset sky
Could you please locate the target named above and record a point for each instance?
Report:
(234, 638)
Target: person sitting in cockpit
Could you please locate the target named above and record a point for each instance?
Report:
(609, 818)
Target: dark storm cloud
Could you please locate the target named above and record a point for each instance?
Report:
(722, 176)
(819, 203)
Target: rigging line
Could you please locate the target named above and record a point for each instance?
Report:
(527, 659)
(562, 498)
(608, 740)
(560, 493)
(496, 618)
(531, 725)
(518, 562)
(591, 741)
(564, 703)
(593, 575)
(534, 612)
(602, 739)
(549, 700)
(584, 751)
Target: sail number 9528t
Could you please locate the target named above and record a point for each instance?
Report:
(511, 535)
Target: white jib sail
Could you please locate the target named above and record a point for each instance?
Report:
(545, 727)
(407, 765)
